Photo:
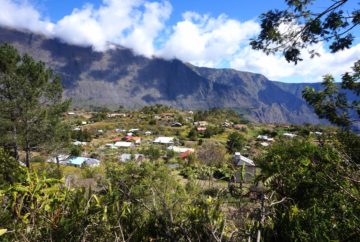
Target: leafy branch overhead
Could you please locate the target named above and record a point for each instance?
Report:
(332, 103)
(299, 26)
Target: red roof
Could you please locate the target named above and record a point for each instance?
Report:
(132, 138)
(116, 139)
(185, 154)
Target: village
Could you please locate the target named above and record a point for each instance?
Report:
(190, 143)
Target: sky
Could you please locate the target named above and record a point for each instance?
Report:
(211, 33)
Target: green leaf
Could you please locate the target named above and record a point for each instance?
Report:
(305, 162)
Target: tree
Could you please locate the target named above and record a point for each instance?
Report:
(30, 101)
(298, 28)
(59, 140)
(319, 191)
(211, 154)
(235, 142)
(332, 103)
(10, 171)
(304, 26)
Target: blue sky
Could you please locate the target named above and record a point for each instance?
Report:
(242, 10)
(210, 33)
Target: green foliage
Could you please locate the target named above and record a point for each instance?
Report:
(81, 135)
(34, 206)
(48, 169)
(206, 172)
(76, 150)
(152, 122)
(332, 103)
(152, 153)
(170, 154)
(155, 109)
(98, 116)
(320, 192)
(89, 172)
(235, 142)
(193, 134)
(10, 170)
(349, 144)
(31, 101)
(213, 130)
(271, 133)
(306, 27)
(139, 203)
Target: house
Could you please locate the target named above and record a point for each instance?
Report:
(62, 159)
(264, 138)
(147, 133)
(123, 144)
(114, 115)
(134, 130)
(239, 160)
(71, 113)
(264, 144)
(120, 130)
(79, 161)
(227, 124)
(164, 140)
(111, 146)
(185, 155)
(239, 126)
(92, 162)
(176, 124)
(201, 129)
(100, 131)
(135, 139)
(201, 123)
(79, 143)
(249, 165)
(178, 149)
(116, 139)
(128, 157)
(289, 135)
(76, 129)
(83, 122)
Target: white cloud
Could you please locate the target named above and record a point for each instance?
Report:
(116, 21)
(275, 67)
(206, 41)
(22, 15)
(148, 28)
(132, 23)
(199, 39)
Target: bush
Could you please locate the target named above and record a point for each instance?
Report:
(235, 142)
(10, 170)
(76, 150)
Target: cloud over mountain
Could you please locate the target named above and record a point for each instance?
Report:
(201, 39)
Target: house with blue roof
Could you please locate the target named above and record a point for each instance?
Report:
(79, 161)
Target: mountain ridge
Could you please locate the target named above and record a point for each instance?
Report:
(120, 77)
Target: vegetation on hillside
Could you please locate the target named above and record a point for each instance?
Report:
(304, 187)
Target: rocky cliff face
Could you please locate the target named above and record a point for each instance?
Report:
(119, 77)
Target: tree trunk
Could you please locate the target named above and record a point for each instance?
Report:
(57, 161)
(27, 157)
(27, 150)
(15, 145)
(262, 218)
